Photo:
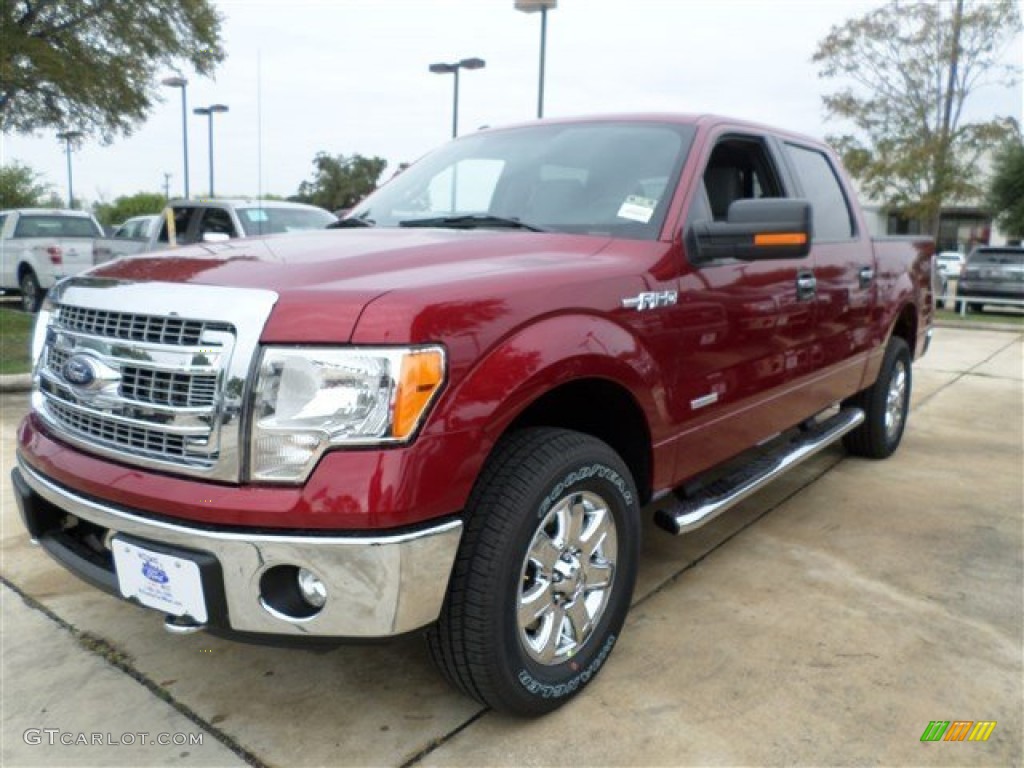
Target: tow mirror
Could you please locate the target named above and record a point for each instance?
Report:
(768, 228)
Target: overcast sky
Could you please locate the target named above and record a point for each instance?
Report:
(350, 76)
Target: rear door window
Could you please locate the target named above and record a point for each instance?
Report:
(833, 220)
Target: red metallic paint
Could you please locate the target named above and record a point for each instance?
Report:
(519, 314)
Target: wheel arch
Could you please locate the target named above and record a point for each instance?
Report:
(578, 372)
(602, 409)
(905, 327)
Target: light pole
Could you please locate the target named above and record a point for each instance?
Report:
(209, 112)
(532, 6)
(453, 69)
(181, 82)
(68, 137)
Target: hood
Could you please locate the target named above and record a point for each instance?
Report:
(325, 278)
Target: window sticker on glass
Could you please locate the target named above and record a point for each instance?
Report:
(638, 208)
(256, 214)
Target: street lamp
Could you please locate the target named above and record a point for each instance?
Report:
(209, 112)
(453, 69)
(181, 82)
(68, 137)
(532, 6)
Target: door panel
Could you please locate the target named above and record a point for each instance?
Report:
(746, 335)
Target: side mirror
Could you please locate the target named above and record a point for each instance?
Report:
(767, 228)
(216, 237)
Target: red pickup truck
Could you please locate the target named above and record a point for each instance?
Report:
(449, 411)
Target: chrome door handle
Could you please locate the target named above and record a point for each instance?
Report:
(867, 275)
(806, 286)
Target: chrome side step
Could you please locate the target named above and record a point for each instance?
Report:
(690, 513)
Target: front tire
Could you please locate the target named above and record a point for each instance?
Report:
(31, 293)
(886, 404)
(544, 575)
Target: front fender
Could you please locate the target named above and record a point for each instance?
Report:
(531, 363)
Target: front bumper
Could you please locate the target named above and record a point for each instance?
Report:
(377, 586)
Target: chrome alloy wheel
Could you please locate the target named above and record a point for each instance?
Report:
(567, 578)
(895, 405)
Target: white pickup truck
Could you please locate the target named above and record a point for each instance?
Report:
(197, 221)
(40, 246)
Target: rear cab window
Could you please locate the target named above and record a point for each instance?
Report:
(55, 226)
(1007, 256)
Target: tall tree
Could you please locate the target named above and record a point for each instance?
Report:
(906, 72)
(91, 64)
(340, 181)
(126, 206)
(1006, 194)
(21, 187)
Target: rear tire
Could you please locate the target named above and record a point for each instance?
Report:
(31, 293)
(544, 575)
(886, 404)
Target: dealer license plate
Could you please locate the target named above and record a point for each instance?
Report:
(169, 584)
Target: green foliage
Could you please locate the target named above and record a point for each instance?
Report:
(339, 181)
(1006, 193)
(139, 204)
(15, 340)
(906, 71)
(92, 64)
(21, 187)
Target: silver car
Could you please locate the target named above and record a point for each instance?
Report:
(993, 272)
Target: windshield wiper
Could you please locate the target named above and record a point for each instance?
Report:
(351, 222)
(470, 221)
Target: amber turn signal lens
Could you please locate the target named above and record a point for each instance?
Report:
(781, 238)
(422, 374)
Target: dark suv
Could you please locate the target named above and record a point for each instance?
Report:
(992, 273)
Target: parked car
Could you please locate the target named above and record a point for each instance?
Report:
(992, 272)
(137, 228)
(196, 221)
(450, 412)
(39, 246)
(947, 267)
(949, 264)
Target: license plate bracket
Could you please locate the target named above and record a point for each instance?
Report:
(159, 580)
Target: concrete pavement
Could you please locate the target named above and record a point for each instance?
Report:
(827, 620)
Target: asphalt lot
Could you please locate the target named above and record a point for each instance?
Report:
(826, 621)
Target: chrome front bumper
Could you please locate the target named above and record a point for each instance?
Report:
(377, 586)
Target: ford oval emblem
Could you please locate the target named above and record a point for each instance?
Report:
(80, 371)
(154, 572)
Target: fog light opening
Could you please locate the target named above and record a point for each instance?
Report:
(291, 593)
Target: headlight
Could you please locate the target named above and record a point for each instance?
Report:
(308, 399)
(40, 331)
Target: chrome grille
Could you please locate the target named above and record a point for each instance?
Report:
(151, 374)
(133, 327)
(182, 390)
(149, 441)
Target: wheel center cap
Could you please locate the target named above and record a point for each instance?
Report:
(569, 569)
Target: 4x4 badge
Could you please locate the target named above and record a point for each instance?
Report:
(651, 300)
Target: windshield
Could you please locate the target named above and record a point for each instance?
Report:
(601, 178)
(268, 220)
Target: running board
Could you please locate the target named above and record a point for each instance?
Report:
(687, 514)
